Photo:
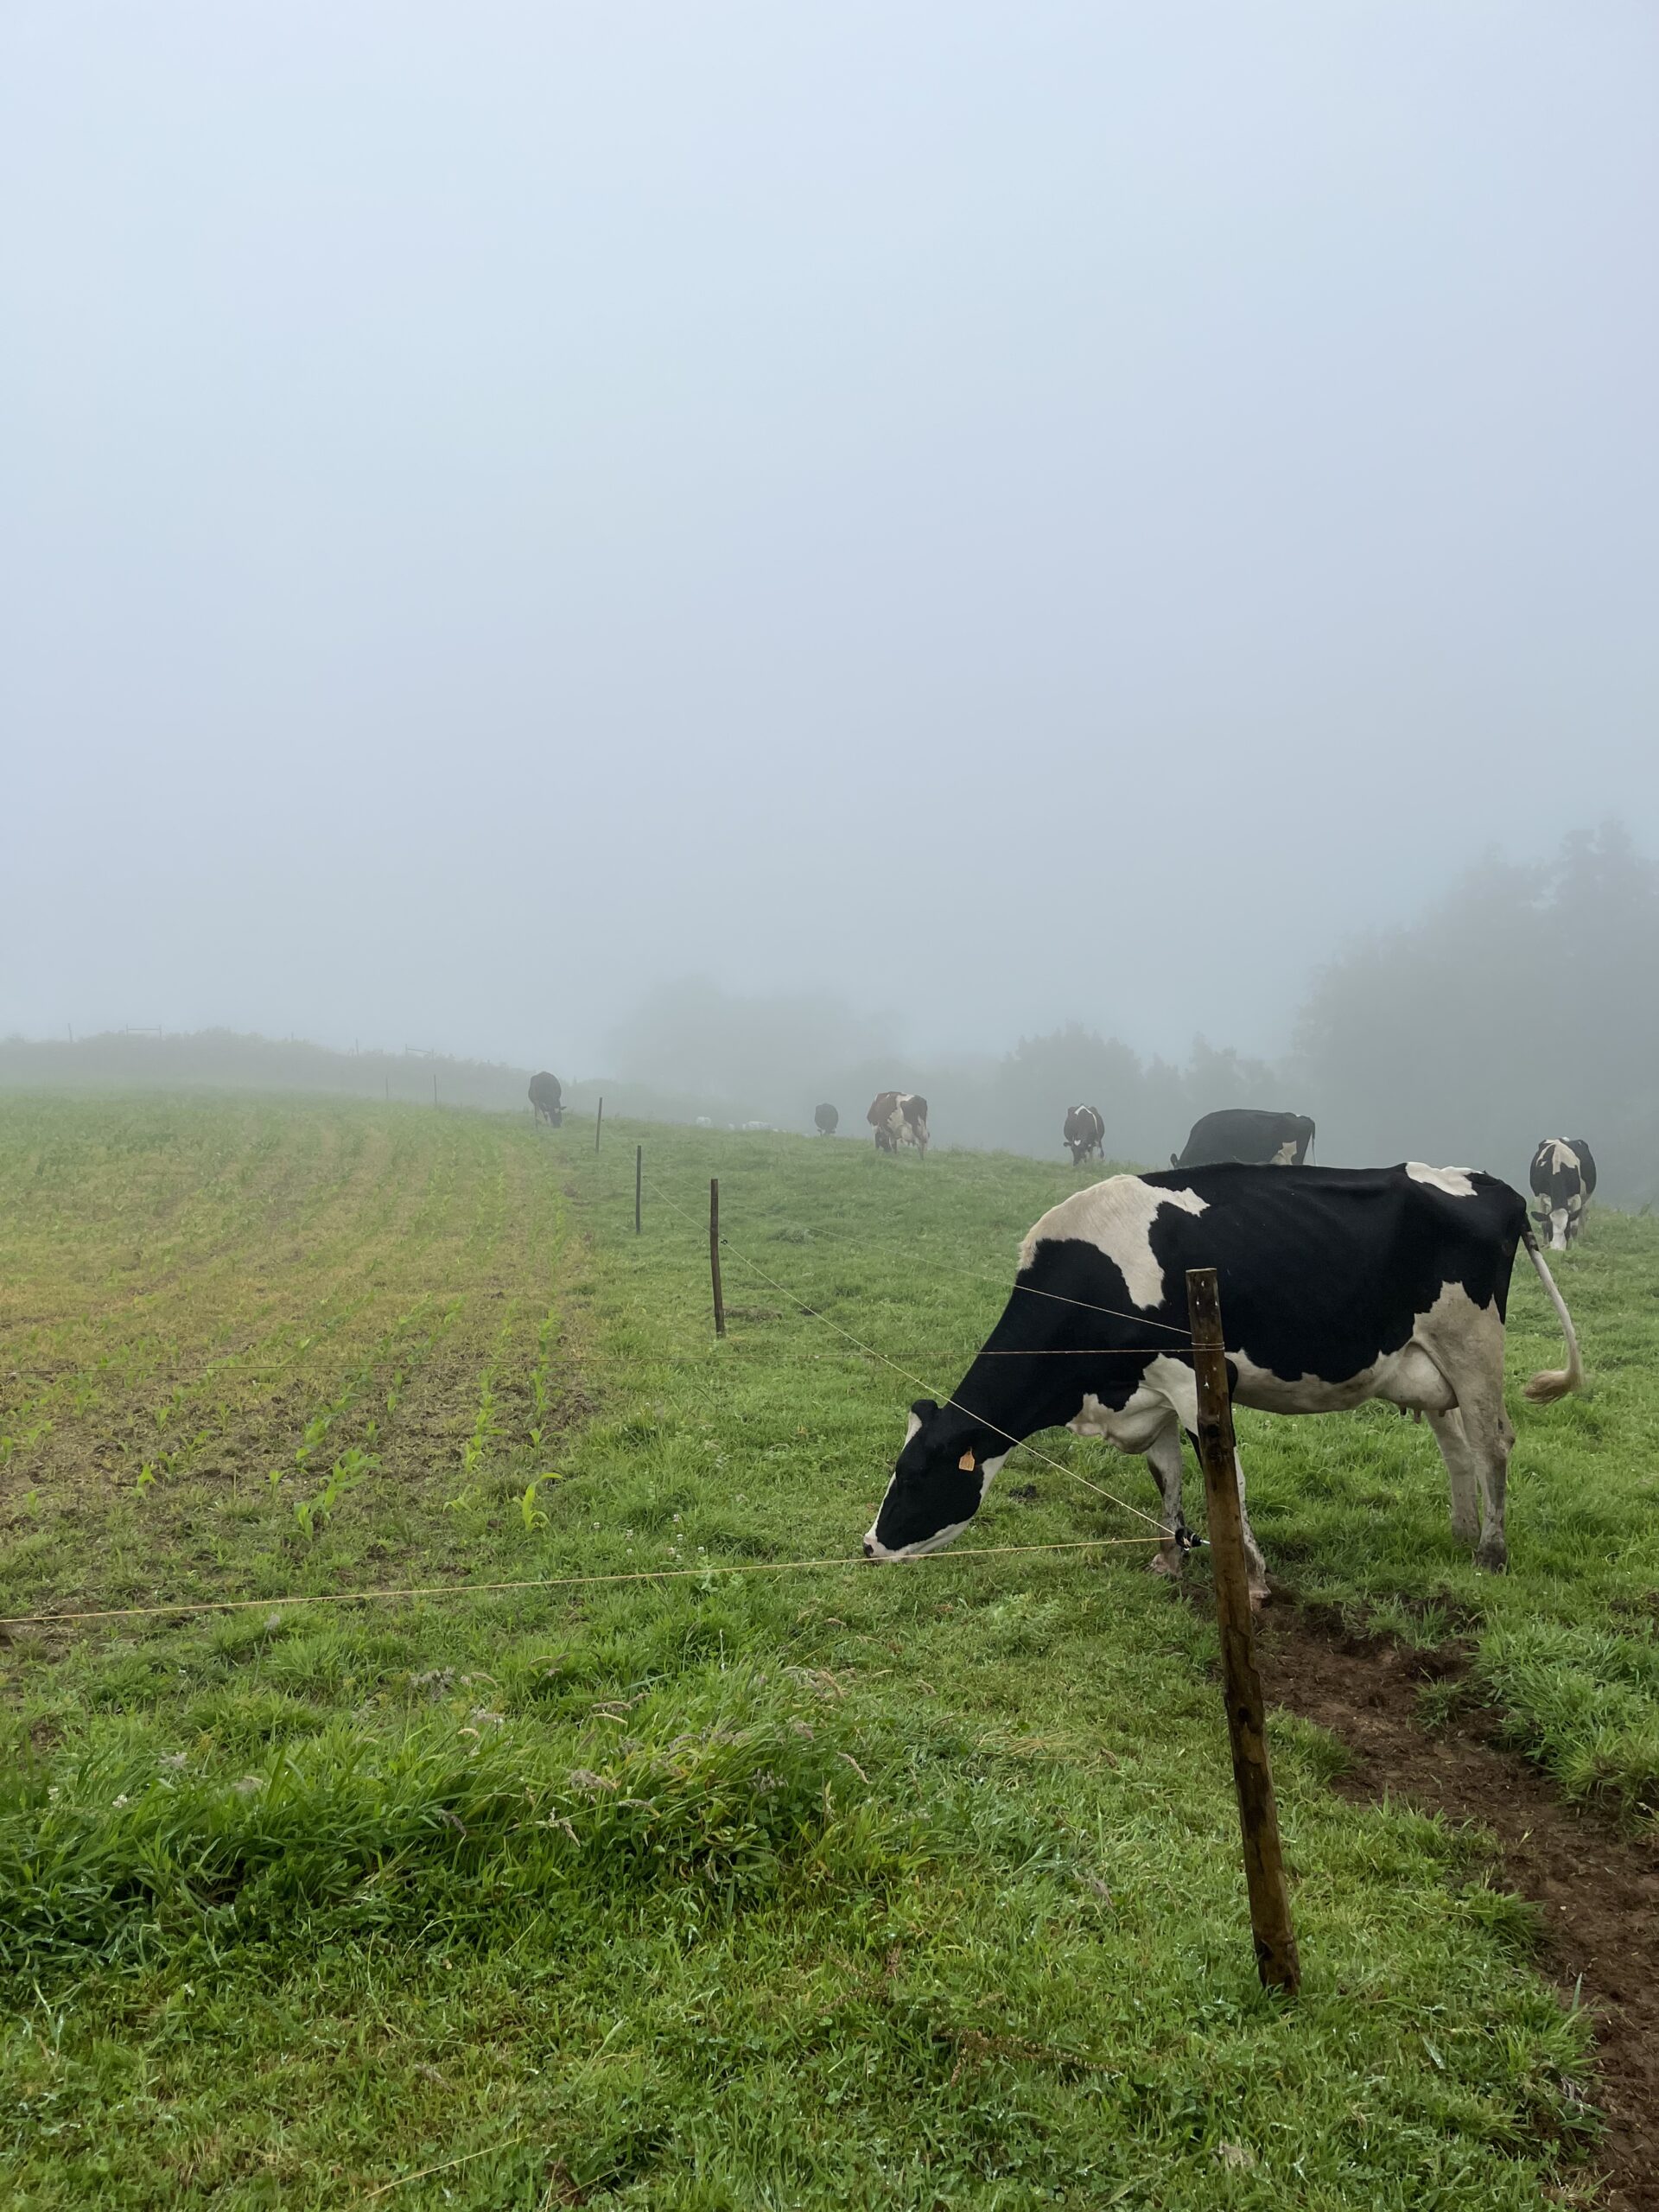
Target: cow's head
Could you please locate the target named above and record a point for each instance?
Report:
(937, 1486)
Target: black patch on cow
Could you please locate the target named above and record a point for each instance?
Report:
(1249, 1133)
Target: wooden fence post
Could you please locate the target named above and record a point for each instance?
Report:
(599, 1121)
(1276, 1958)
(714, 1254)
(639, 1179)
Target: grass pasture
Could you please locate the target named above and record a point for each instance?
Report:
(914, 1887)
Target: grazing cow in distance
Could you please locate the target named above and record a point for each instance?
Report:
(547, 1098)
(1249, 1133)
(827, 1120)
(1563, 1177)
(1338, 1285)
(899, 1117)
(1085, 1132)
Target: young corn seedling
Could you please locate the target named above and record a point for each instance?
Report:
(538, 1390)
(349, 1471)
(530, 1513)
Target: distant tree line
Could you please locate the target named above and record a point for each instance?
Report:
(1523, 1004)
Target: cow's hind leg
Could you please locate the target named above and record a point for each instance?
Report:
(1164, 1457)
(1491, 1437)
(1461, 1472)
(1468, 1351)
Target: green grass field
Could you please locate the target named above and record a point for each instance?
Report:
(915, 1887)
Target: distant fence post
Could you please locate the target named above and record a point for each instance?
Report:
(714, 1254)
(599, 1121)
(638, 1181)
(435, 1086)
(1277, 1956)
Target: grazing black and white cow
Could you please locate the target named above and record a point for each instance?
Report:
(1249, 1133)
(826, 1120)
(1563, 1179)
(1337, 1285)
(547, 1097)
(1085, 1132)
(899, 1117)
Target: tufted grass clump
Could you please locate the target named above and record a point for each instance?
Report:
(464, 1816)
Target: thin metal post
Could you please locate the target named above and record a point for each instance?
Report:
(638, 1181)
(1277, 1956)
(599, 1122)
(714, 1254)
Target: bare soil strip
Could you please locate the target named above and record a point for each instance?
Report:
(1597, 1890)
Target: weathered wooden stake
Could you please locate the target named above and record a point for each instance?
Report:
(1258, 1817)
(599, 1122)
(435, 1086)
(714, 1254)
(639, 1179)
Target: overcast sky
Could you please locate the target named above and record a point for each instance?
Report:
(1008, 513)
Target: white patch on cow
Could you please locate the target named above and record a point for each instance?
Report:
(946, 1537)
(1285, 1155)
(1166, 1391)
(912, 1426)
(1454, 1181)
(988, 1472)
(1558, 1224)
(1116, 1215)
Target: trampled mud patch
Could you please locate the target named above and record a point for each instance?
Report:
(1597, 1890)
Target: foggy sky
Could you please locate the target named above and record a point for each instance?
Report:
(1004, 513)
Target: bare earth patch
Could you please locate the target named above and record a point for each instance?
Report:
(1597, 1890)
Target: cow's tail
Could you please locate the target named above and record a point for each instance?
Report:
(1552, 1383)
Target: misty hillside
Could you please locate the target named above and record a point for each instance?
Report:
(1518, 1007)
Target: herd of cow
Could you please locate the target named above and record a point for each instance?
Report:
(1563, 1172)
(1338, 1285)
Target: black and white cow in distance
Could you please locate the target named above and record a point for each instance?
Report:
(547, 1097)
(825, 1120)
(899, 1117)
(1085, 1132)
(1337, 1285)
(1247, 1133)
(1563, 1177)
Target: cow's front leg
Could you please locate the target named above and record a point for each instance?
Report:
(1256, 1564)
(1164, 1457)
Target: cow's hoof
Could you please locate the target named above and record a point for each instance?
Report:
(1492, 1559)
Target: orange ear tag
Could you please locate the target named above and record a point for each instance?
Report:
(966, 1463)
